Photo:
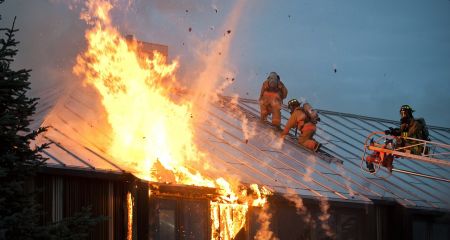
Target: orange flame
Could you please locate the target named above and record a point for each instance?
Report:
(130, 216)
(227, 219)
(150, 126)
(261, 194)
(264, 217)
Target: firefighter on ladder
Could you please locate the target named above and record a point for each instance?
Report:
(409, 128)
(271, 98)
(302, 119)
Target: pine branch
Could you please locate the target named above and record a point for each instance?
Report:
(19, 212)
(6, 51)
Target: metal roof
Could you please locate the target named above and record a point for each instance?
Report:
(260, 159)
(343, 136)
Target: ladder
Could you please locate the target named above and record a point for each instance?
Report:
(377, 145)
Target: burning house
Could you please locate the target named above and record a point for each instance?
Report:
(313, 197)
(132, 145)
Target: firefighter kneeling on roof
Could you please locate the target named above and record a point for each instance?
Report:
(271, 98)
(304, 119)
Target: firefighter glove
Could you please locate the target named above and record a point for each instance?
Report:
(390, 131)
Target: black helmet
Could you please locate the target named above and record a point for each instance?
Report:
(406, 111)
(293, 104)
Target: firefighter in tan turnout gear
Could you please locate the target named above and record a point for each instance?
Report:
(304, 119)
(271, 98)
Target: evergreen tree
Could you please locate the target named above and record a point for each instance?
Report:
(74, 228)
(19, 212)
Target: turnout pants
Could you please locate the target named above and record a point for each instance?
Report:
(306, 138)
(270, 103)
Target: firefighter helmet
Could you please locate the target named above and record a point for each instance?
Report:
(293, 104)
(406, 111)
(273, 82)
(273, 75)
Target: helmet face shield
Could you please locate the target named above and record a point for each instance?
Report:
(273, 76)
(404, 114)
(291, 108)
(293, 104)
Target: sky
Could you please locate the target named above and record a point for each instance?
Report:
(361, 57)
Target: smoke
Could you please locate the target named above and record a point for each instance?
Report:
(52, 34)
(307, 176)
(325, 216)
(50, 37)
(198, 32)
(169, 6)
(292, 196)
(249, 130)
(215, 61)
(310, 168)
(343, 173)
(264, 219)
(277, 141)
(274, 139)
(229, 79)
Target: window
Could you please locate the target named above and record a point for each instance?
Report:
(167, 224)
(167, 220)
(181, 219)
(195, 220)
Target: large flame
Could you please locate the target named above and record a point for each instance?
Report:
(150, 126)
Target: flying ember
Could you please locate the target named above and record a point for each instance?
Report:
(149, 126)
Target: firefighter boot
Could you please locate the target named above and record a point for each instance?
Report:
(317, 147)
(370, 166)
(388, 160)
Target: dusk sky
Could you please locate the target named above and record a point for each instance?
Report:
(353, 56)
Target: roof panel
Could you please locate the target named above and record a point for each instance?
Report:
(241, 146)
(62, 155)
(344, 136)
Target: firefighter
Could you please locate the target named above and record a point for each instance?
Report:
(410, 128)
(381, 158)
(303, 122)
(271, 98)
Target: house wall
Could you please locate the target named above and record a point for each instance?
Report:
(184, 215)
(346, 221)
(393, 221)
(62, 196)
(379, 221)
